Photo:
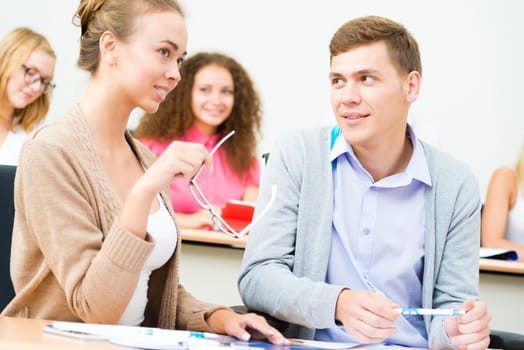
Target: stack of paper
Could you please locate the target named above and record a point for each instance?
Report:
(143, 337)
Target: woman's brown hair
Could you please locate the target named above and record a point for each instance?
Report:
(116, 16)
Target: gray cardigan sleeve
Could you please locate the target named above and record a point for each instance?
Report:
(285, 260)
(456, 221)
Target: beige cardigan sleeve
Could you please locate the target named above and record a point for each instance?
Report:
(173, 307)
(70, 248)
(59, 212)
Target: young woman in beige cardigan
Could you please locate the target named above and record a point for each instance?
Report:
(94, 237)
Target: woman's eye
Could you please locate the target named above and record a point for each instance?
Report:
(32, 72)
(180, 61)
(164, 52)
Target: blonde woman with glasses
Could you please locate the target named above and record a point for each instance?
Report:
(503, 214)
(26, 71)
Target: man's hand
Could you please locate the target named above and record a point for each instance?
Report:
(470, 331)
(366, 316)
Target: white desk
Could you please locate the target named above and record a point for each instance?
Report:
(210, 272)
(502, 287)
(210, 265)
(26, 334)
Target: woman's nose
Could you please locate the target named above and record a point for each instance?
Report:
(174, 73)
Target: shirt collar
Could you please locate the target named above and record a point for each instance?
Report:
(418, 164)
(417, 167)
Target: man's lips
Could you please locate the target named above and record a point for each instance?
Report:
(354, 116)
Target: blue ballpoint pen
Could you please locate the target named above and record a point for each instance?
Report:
(434, 312)
(222, 339)
(198, 335)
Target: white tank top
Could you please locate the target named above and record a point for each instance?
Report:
(161, 227)
(515, 224)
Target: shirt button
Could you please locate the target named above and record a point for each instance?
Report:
(366, 231)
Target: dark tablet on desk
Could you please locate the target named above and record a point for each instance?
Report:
(499, 254)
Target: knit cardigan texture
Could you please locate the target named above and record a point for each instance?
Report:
(70, 259)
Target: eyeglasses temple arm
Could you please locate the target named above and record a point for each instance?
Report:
(224, 139)
(255, 220)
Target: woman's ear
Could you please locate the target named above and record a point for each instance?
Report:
(413, 86)
(108, 47)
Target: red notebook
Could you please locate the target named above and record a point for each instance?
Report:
(238, 214)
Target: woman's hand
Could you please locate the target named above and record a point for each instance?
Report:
(245, 326)
(202, 219)
(179, 160)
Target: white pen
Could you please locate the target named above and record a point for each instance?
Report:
(435, 312)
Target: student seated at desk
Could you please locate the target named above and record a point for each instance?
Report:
(368, 218)
(94, 236)
(26, 74)
(503, 213)
(215, 97)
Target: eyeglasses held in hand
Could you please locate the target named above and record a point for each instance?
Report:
(218, 221)
(32, 76)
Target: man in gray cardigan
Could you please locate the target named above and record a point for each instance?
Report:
(368, 219)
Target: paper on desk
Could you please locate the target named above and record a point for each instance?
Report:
(155, 343)
(385, 347)
(297, 344)
(148, 338)
(323, 344)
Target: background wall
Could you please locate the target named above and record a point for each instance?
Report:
(472, 57)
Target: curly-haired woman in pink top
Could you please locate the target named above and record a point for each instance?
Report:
(215, 96)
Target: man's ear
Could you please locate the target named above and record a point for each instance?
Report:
(413, 86)
(108, 46)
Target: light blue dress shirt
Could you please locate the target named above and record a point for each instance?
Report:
(378, 236)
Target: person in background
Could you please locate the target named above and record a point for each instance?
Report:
(503, 212)
(368, 218)
(27, 65)
(215, 97)
(106, 249)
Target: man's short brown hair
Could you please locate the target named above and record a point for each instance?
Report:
(402, 47)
